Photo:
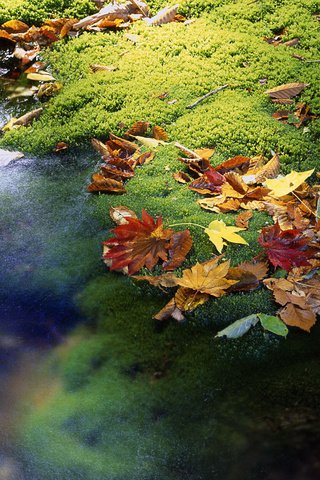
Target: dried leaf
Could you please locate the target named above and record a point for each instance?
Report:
(205, 153)
(208, 277)
(134, 38)
(282, 186)
(286, 249)
(159, 134)
(28, 118)
(297, 317)
(112, 10)
(180, 245)
(40, 77)
(238, 164)
(187, 299)
(15, 26)
(170, 310)
(242, 220)
(210, 182)
(269, 170)
(289, 90)
(125, 145)
(61, 147)
(181, 177)
(139, 243)
(142, 6)
(119, 167)
(259, 268)
(95, 67)
(103, 185)
(246, 281)
(149, 142)
(167, 280)
(120, 214)
(67, 27)
(100, 147)
(138, 128)
(7, 157)
(165, 15)
(48, 89)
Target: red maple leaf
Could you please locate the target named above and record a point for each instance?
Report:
(210, 182)
(144, 242)
(286, 248)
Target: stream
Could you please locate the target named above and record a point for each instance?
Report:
(256, 416)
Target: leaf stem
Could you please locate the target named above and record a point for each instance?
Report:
(301, 201)
(188, 223)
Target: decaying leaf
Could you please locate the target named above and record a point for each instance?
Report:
(61, 147)
(286, 249)
(165, 15)
(95, 67)
(209, 183)
(141, 243)
(41, 76)
(180, 245)
(187, 299)
(218, 232)
(242, 220)
(138, 128)
(166, 280)
(149, 142)
(120, 214)
(105, 185)
(181, 177)
(159, 134)
(170, 310)
(286, 91)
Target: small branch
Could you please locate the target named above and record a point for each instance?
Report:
(312, 61)
(206, 96)
(301, 201)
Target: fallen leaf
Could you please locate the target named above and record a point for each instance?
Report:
(218, 231)
(119, 167)
(103, 185)
(134, 38)
(269, 170)
(239, 327)
(286, 249)
(180, 245)
(49, 89)
(286, 91)
(242, 220)
(149, 142)
(61, 147)
(284, 185)
(273, 324)
(187, 299)
(259, 268)
(40, 77)
(169, 310)
(205, 153)
(142, 6)
(7, 157)
(95, 67)
(99, 147)
(15, 26)
(139, 243)
(181, 177)
(246, 281)
(209, 183)
(165, 15)
(28, 118)
(145, 158)
(67, 27)
(238, 164)
(120, 214)
(138, 128)
(166, 280)
(159, 134)
(297, 317)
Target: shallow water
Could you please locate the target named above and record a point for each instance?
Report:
(249, 410)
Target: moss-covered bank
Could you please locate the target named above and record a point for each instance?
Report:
(139, 400)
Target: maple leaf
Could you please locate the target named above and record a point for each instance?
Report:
(144, 242)
(208, 277)
(286, 248)
(282, 186)
(218, 231)
(209, 182)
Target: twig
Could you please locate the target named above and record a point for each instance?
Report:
(301, 201)
(312, 61)
(207, 95)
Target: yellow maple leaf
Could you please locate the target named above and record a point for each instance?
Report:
(282, 186)
(206, 278)
(218, 232)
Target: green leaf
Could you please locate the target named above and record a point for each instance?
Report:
(273, 324)
(239, 327)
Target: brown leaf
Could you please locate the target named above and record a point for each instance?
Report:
(169, 310)
(110, 22)
(205, 153)
(159, 134)
(61, 147)
(138, 128)
(15, 26)
(292, 42)
(270, 170)
(237, 185)
(145, 158)
(238, 164)
(95, 67)
(297, 317)
(167, 280)
(286, 91)
(103, 184)
(219, 204)
(67, 27)
(181, 177)
(209, 183)
(187, 299)
(120, 214)
(118, 166)
(125, 145)
(281, 115)
(242, 220)
(165, 15)
(259, 268)
(99, 147)
(246, 281)
(180, 245)
(283, 101)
